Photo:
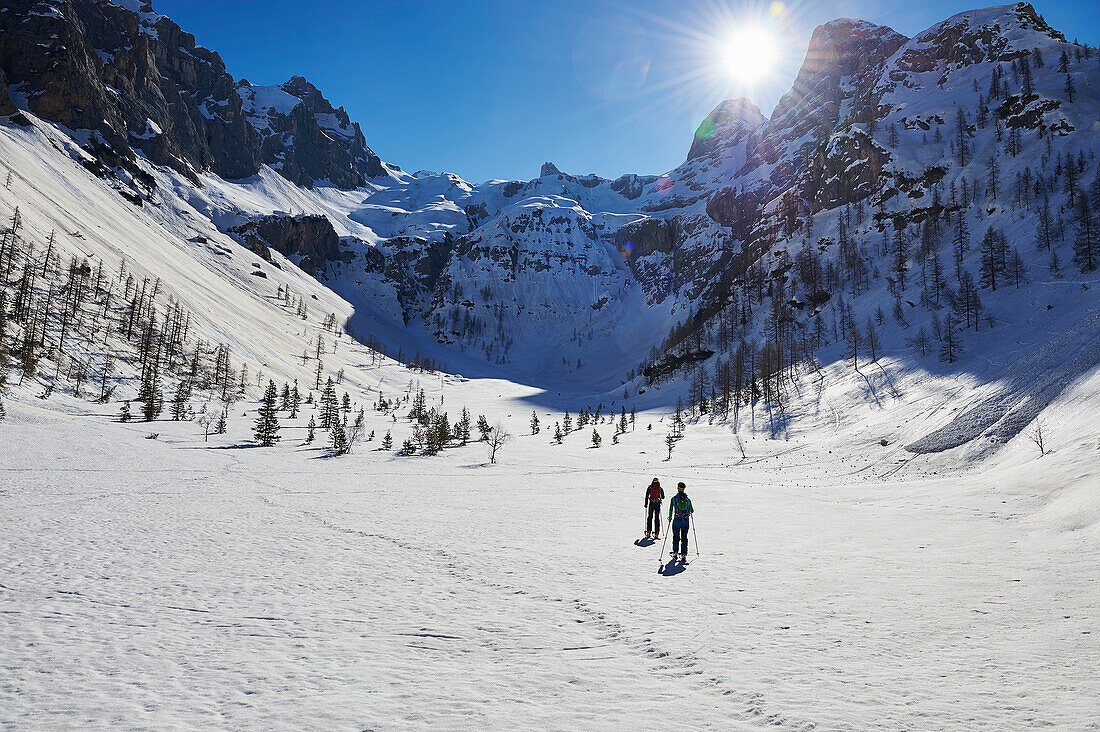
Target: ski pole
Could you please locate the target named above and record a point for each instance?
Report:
(694, 535)
(663, 543)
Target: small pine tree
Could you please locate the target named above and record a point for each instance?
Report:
(221, 427)
(1086, 243)
(483, 427)
(311, 430)
(181, 401)
(267, 423)
(557, 433)
(330, 406)
(596, 439)
(124, 414)
(462, 427)
(615, 439)
(534, 423)
(670, 443)
(387, 441)
(151, 396)
(1055, 266)
(340, 443)
(950, 347)
(874, 345)
(567, 422)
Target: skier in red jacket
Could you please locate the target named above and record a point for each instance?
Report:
(654, 494)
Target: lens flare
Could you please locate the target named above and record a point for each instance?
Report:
(748, 54)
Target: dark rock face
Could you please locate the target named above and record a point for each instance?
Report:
(416, 268)
(308, 240)
(549, 169)
(97, 66)
(645, 237)
(140, 82)
(630, 186)
(7, 106)
(312, 141)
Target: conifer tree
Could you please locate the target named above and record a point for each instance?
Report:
(330, 407)
(534, 423)
(340, 443)
(483, 427)
(950, 347)
(462, 427)
(295, 400)
(267, 423)
(150, 395)
(181, 401)
(1086, 242)
(557, 433)
(670, 443)
(874, 345)
(387, 441)
(567, 422)
(124, 414)
(284, 401)
(311, 430)
(920, 342)
(596, 439)
(221, 427)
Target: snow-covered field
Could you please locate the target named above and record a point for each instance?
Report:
(175, 584)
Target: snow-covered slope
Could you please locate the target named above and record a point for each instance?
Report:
(865, 331)
(884, 144)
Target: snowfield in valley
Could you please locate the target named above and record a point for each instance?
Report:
(170, 583)
(879, 542)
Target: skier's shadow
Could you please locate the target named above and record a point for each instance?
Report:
(671, 568)
(647, 541)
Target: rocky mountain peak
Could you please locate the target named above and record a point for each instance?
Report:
(136, 81)
(727, 125)
(999, 33)
(549, 169)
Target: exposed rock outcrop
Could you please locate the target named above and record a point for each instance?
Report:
(137, 81)
(309, 241)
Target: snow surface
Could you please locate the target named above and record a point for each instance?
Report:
(173, 583)
(843, 581)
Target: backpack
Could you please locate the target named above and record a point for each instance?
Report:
(680, 505)
(655, 493)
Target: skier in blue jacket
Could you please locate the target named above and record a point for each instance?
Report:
(679, 512)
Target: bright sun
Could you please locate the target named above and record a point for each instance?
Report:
(748, 54)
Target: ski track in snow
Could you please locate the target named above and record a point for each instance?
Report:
(153, 584)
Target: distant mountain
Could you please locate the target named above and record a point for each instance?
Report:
(128, 79)
(901, 180)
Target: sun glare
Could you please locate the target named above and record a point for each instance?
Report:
(748, 54)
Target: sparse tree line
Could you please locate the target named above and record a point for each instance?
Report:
(760, 331)
(79, 324)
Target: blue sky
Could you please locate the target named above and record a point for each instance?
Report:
(493, 89)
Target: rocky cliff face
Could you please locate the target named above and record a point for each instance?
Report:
(308, 241)
(868, 135)
(306, 139)
(134, 80)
